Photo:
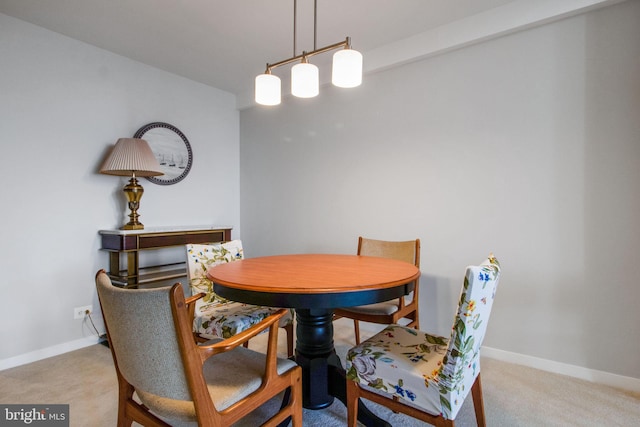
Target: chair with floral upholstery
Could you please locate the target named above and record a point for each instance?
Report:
(215, 316)
(422, 375)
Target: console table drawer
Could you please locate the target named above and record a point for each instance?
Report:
(131, 242)
(159, 240)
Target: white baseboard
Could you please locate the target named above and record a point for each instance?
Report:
(600, 377)
(47, 352)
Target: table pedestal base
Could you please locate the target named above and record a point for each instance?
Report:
(323, 376)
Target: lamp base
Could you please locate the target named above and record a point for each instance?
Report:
(133, 191)
(129, 226)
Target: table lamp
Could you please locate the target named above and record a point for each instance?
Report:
(131, 157)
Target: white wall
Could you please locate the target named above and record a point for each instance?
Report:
(527, 145)
(64, 103)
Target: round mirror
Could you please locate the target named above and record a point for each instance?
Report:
(172, 150)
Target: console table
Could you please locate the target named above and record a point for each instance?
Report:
(131, 242)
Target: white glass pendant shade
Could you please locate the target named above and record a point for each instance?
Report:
(305, 82)
(347, 68)
(268, 91)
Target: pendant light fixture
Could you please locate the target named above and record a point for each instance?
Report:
(305, 80)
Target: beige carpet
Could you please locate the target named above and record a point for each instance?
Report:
(514, 395)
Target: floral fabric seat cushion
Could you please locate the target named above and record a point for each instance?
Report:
(215, 316)
(230, 318)
(431, 372)
(403, 362)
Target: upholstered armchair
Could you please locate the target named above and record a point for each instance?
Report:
(166, 378)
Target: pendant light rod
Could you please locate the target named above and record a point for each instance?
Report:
(344, 44)
(295, 20)
(315, 23)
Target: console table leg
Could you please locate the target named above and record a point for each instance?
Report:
(132, 269)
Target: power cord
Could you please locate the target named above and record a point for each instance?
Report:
(88, 314)
(102, 338)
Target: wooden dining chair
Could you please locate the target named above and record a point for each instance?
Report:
(215, 316)
(423, 375)
(166, 378)
(387, 312)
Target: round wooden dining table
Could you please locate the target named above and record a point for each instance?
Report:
(314, 285)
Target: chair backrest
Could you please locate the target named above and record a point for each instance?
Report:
(202, 256)
(143, 338)
(408, 251)
(461, 363)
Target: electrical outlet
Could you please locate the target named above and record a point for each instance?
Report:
(80, 312)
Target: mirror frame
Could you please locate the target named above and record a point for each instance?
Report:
(169, 147)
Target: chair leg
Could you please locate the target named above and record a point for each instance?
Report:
(415, 322)
(289, 330)
(285, 401)
(352, 403)
(125, 394)
(296, 402)
(478, 401)
(356, 329)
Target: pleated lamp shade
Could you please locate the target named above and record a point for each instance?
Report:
(129, 156)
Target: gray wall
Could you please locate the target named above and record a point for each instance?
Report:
(64, 103)
(527, 146)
